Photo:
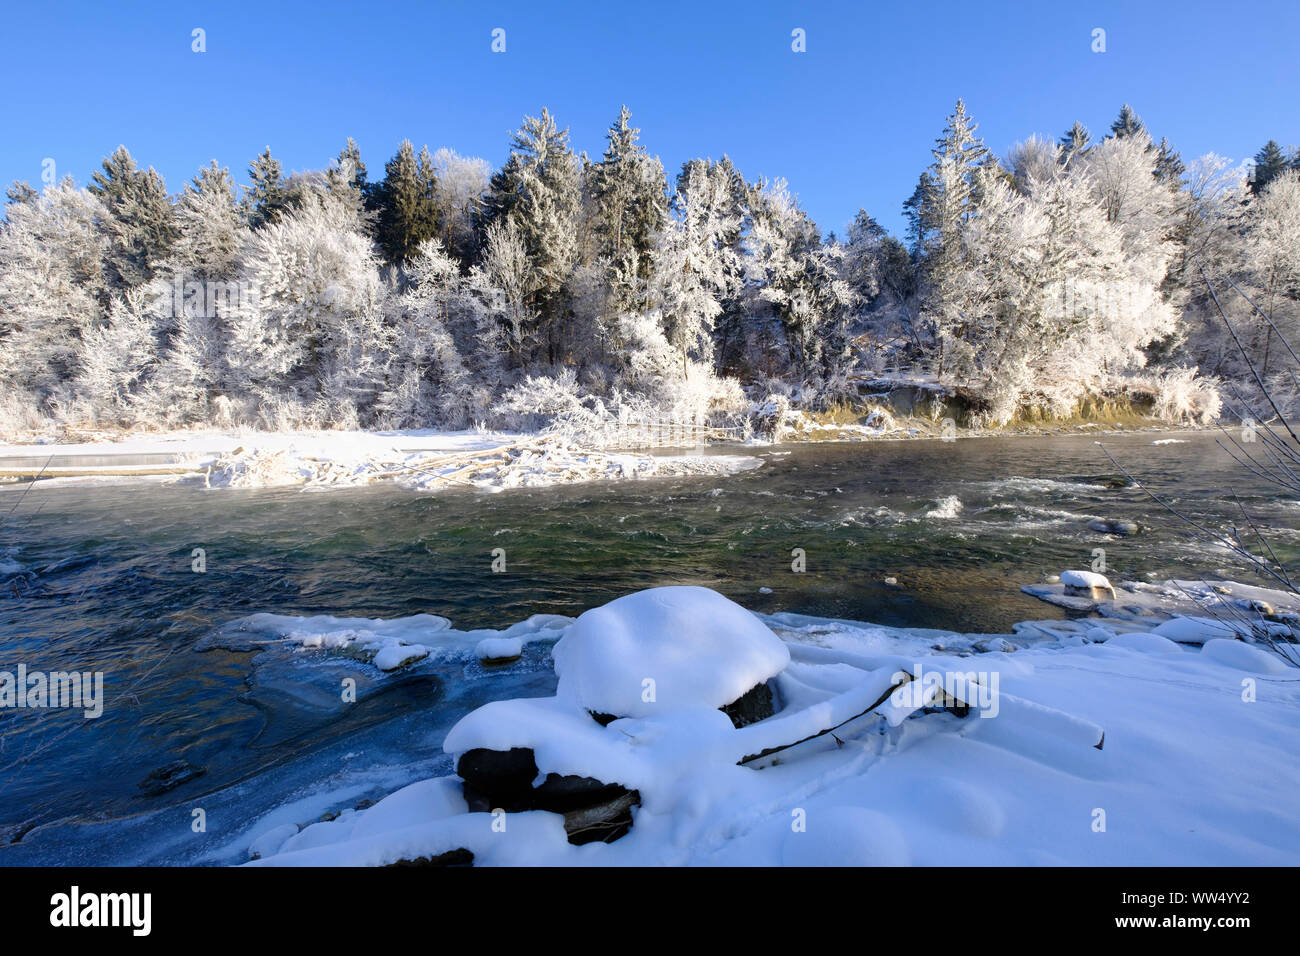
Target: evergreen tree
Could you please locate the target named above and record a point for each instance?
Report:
(346, 182)
(1075, 142)
(20, 191)
(1270, 162)
(352, 167)
(537, 190)
(628, 191)
(1127, 123)
(1169, 166)
(407, 209)
(268, 196)
(713, 202)
(211, 225)
(140, 225)
(962, 170)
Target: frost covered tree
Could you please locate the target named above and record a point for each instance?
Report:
(537, 193)
(210, 225)
(503, 280)
(308, 344)
(117, 360)
(629, 196)
(711, 201)
(1074, 143)
(52, 284)
(801, 280)
(436, 371)
(1272, 234)
(962, 168)
(461, 183)
(266, 197)
(138, 220)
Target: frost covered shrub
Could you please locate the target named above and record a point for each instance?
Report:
(550, 400)
(1182, 395)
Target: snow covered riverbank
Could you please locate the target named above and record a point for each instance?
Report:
(422, 460)
(1083, 744)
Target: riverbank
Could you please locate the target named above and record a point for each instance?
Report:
(423, 460)
(428, 459)
(1061, 752)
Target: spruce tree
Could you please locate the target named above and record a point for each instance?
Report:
(1169, 166)
(268, 196)
(537, 190)
(962, 170)
(407, 211)
(1270, 162)
(628, 191)
(1128, 123)
(1074, 143)
(211, 225)
(346, 182)
(140, 226)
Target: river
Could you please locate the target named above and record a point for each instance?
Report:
(101, 577)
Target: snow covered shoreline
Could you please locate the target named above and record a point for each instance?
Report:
(1198, 764)
(348, 458)
(420, 460)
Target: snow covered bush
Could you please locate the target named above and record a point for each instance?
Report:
(1183, 395)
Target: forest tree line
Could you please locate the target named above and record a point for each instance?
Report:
(445, 293)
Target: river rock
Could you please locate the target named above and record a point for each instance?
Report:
(1088, 584)
(1258, 607)
(1118, 526)
(499, 650)
(691, 647)
(498, 779)
(457, 857)
(750, 707)
(503, 780)
(169, 777)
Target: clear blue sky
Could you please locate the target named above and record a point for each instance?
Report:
(848, 123)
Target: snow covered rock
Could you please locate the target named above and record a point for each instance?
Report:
(1245, 657)
(665, 649)
(396, 656)
(1197, 630)
(499, 650)
(270, 842)
(1087, 584)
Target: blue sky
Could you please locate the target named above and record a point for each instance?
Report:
(849, 123)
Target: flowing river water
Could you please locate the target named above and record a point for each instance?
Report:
(100, 577)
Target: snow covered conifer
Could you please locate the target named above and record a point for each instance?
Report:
(1075, 142)
(267, 196)
(1270, 162)
(139, 223)
(537, 192)
(628, 190)
(211, 225)
(1128, 123)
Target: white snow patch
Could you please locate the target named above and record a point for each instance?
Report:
(665, 649)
